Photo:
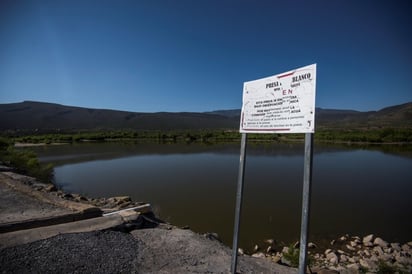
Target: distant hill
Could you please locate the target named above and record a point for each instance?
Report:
(31, 116)
(399, 116)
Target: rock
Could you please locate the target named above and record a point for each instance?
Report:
(332, 242)
(353, 259)
(296, 244)
(396, 246)
(50, 188)
(269, 249)
(240, 251)
(363, 263)
(212, 236)
(269, 241)
(353, 243)
(378, 250)
(68, 196)
(401, 260)
(367, 239)
(327, 251)
(332, 258)
(285, 249)
(285, 261)
(259, 255)
(354, 266)
(312, 245)
(406, 247)
(343, 258)
(351, 248)
(276, 258)
(374, 258)
(328, 271)
(124, 205)
(341, 251)
(343, 238)
(378, 241)
(255, 248)
(368, 264)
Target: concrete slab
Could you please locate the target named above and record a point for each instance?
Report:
(41, 233)
(23, 207)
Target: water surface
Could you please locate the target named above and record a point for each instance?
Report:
(355, 190)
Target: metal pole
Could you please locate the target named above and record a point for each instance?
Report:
(307, 180)
(238, 202)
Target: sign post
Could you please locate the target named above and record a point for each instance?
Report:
(283, 103)
(239, 195)
(307, 181)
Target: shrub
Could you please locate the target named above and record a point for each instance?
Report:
(25, 161)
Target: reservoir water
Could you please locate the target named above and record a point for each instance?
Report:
(355, 190)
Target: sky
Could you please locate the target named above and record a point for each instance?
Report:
(161, 55)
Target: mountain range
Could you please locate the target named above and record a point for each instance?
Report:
(45, 117)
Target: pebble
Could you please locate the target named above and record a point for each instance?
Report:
(378, 241)
(365, 254)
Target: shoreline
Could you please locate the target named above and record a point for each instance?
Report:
(347, 253)
(159, 247)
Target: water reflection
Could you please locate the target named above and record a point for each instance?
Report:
(355, 190)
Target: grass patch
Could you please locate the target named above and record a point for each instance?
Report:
(25, 161)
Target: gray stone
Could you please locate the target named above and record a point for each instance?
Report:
(259, 255)
(283, 260)
(327, 271)
(363, 263)
(270, 241)
(354, 266)
(327, 251)
(255, 248)
(276, 258)
(396, 246)
(406, 247)
(367, 239)
(378, 241)
(401, 259)
(369, 264)
(378, 250)
(332, 258)
(351, 248)
(353, 259)
(312, 245)
(296, 244)
(374, 258)
(51, 188)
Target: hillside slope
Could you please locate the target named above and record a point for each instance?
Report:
(38, 116)
(46, 116)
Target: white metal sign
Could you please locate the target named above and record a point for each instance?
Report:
(283, 103)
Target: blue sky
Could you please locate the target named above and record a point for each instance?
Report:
(150, 56)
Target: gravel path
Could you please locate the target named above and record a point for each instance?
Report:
(141, 251)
